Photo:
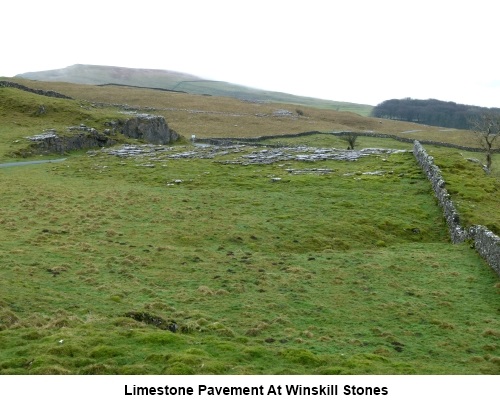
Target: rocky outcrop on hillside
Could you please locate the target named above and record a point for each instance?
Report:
(149, 128)
(81, 137)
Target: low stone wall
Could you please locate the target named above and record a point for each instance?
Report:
(412, 140)
(486, 242)
(47, 93)
(433, 173)
(229, 141)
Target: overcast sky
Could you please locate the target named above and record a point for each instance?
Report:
(362, 51)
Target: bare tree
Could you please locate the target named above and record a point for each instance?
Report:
(350, 138)
(486, 126)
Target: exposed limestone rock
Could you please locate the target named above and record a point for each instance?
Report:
(251, 154)
(81, 137)
(282, 113)
(150, 128)
(307, 154)
(49, 134)
(309, 171)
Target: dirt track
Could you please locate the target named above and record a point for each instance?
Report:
(31, 162)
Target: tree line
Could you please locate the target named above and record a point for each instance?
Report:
(431, 112)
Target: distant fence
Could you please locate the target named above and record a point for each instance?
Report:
(486, 242)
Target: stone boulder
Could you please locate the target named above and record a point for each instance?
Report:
(150, 128)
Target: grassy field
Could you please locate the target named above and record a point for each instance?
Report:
(476, 194)
(336, 273)
(314, 274)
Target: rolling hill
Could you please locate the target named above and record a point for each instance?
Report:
(195, 114)
(181, 82)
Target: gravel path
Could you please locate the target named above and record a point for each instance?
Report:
(31, 162)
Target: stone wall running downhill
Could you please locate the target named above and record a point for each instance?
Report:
(47, 93)
(486, 242)
(433, 173)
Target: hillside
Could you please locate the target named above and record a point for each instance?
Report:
(219, 116)
(94, 74)
(197, 259)
(24, 114)
(181, 82)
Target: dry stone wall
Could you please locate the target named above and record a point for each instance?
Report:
(486, 242)
(370, 134)
(433, 173)
(47, 93)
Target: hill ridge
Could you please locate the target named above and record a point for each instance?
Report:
(178, 81)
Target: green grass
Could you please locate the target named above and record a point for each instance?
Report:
(475, 193)
(315, 274)
(20, 118)
(341, 273)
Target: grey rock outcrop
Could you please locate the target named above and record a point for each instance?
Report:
(81, 137)
(251, 154)
(150, 128)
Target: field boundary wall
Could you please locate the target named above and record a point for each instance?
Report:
(224, 141)
(47, 93)
(486, 243)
